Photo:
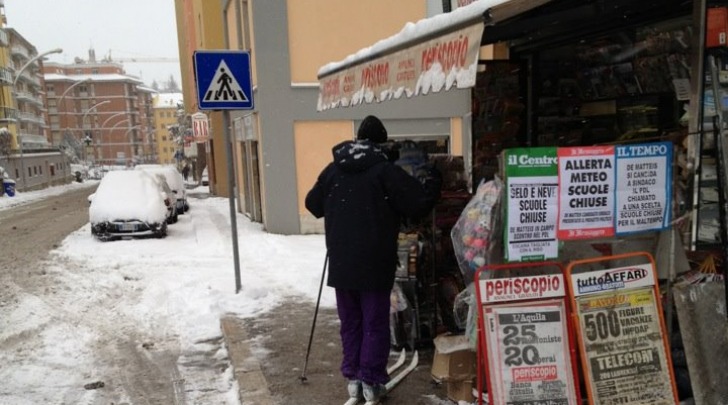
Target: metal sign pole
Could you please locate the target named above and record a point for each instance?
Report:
(231, 190)
(224, 81)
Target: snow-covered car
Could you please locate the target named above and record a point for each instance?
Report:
(172, 211)
(128, 203)
(174, 180)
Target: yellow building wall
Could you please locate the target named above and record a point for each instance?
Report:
(6, 96)
(307, 25)
(314, 140)
(456, 137)
(199, 26)
(166, 146)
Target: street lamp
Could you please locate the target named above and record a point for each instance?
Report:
(15, 81)
(113, 127)
(60, 99)
(93, 107)
(32, 60)
(86, 137)
(103, 124)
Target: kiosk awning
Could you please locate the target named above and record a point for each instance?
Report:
(434, 54)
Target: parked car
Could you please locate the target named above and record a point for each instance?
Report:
(172, 212)
(128, 204)
(174, 180)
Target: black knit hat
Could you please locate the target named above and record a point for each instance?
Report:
(371, 128)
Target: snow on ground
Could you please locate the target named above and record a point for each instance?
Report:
(22, 198)
(178, 286)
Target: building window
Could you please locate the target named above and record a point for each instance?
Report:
(164, 149)
(17, 173)
(50, 88)
(30, 172)
(161, 126)
(164, 137)
(40, 170)
(94, 71)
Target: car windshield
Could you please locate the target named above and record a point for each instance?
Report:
(127, 195)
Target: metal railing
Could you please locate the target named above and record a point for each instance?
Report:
(6, 76)
(7, 113)
(28, 97)
(30, 117)
(19, 50)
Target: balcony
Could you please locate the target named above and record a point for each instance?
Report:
(19, 51)
(30, 117)
(30, 77)
(8, 114)
(6, 76)
(33, 142)
(4, 39)
(28, 98)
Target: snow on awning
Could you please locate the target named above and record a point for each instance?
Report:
(433, 54)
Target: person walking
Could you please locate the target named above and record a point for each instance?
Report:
(363, 198)
(186, 171)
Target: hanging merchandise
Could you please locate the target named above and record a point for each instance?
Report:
(474, 234)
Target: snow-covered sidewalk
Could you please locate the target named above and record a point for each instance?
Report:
(171, 291)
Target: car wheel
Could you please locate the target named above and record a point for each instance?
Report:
(162, 231)
(104, 237)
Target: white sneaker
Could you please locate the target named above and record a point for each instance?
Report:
(374, 393)
(355, 389)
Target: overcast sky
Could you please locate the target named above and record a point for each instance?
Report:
(128, 28)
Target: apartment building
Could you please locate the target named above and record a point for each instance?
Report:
(29, 96)
(281, 145)
(7, 103)
(99, 112)
(166, 106)
(30, 159)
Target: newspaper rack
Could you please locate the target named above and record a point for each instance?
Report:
(529, 336)
(620, 330)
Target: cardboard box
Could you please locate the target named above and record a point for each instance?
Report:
(460, 390)
(717, 29)
(453, 359)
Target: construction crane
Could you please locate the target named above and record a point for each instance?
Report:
(142, 59)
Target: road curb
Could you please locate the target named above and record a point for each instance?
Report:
(252, 385)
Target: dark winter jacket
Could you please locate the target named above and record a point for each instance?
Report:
(363, 198)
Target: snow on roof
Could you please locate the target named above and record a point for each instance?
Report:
(147, 89)
(166, 100)
(411, 31)
(101, 77)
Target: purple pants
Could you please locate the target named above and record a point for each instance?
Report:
(364, 317)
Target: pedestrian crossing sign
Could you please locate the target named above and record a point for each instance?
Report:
(223, 80)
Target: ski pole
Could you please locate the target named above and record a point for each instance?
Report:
(313, 324)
